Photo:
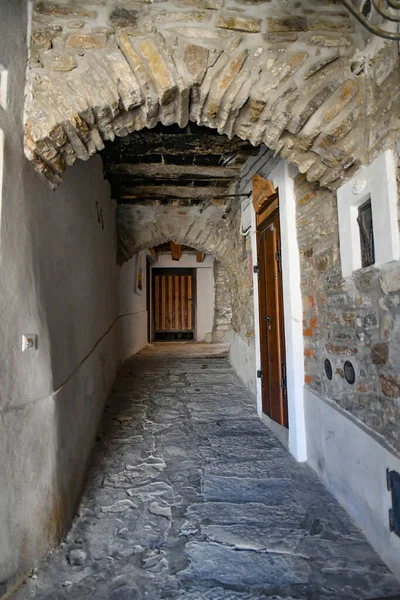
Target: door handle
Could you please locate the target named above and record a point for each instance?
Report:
(267, 318)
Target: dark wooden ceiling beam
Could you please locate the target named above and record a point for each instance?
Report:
(168, 191)
(153, 143)
(200, 256)
(176, 251)
(162, 171)
(156, 201)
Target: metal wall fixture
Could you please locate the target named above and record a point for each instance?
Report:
(328, 369)
(349, 373)
(393, 485)
(388, 10)
(100, 217)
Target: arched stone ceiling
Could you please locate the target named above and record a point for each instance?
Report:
(287, 74)
(141, 227)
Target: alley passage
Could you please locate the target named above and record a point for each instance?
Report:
(192, 498)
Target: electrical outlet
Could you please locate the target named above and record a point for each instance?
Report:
(29, 341)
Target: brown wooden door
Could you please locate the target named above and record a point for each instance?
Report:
(173, 304)
(272, 337)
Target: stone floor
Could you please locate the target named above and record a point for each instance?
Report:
(192, 498)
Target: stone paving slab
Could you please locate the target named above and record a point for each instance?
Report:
(191, 497)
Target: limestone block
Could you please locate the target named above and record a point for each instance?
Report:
(330, 25)
(85, 41)
(164, 80)
(286, 24)
(169, 16)
(143, 78)
(196, 61)
(390, 281)
(122, 76)
(329, 41)
(222, 84)
(202, 4)
(121, 17)
(239, 23)
(41, 40)
(226, 40)
(311, 105)
(76, 24)
(53, 9)
(390, 385)
(380, 353)
(63, 62)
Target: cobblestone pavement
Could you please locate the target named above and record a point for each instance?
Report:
(191, 497)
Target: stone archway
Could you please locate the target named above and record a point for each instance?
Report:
(143, 227)
(291, 78)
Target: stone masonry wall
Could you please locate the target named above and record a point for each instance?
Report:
(223, 304)
(299, 77)
(356, 320)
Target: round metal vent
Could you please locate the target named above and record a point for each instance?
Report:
(349, 372)
(328, 369)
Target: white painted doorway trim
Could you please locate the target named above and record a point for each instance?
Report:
(293, 310)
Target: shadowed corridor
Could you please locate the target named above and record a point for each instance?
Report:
(190, 497)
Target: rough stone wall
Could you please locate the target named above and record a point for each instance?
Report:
(241, 280)
(223, 304)
(356, 319)
(294, 76)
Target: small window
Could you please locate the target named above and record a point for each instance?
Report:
(365, 225)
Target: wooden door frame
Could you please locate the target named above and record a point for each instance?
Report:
(268, 221)
(149, 298)
(293, 311)
(175, 271)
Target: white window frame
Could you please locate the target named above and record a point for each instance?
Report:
(376, 182)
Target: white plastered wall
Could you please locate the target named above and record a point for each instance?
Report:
(352, 461)
(132, 311)
(58, 280)
(205, 292)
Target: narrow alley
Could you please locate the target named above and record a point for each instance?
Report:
(191, 497)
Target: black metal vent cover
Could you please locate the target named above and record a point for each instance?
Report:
(393, 482)
(328, 369)
(349, 372)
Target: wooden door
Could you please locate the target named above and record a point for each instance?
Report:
(173, 304)
(272, 336)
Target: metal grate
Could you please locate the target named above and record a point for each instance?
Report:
(366, 234)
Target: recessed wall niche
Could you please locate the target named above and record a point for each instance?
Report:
(3, 87)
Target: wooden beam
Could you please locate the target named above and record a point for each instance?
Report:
(200, 256)
(153, 254)
(143, 144)
(167, 191)
(159, 171)
(176, 251)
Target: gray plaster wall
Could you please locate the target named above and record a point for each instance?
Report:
(132, 309)
(58, 280)
(352, 461)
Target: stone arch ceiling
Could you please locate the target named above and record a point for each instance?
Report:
(142, 227)
(287, 74)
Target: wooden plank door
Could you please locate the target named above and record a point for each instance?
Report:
(272, 335)
(173, 304)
